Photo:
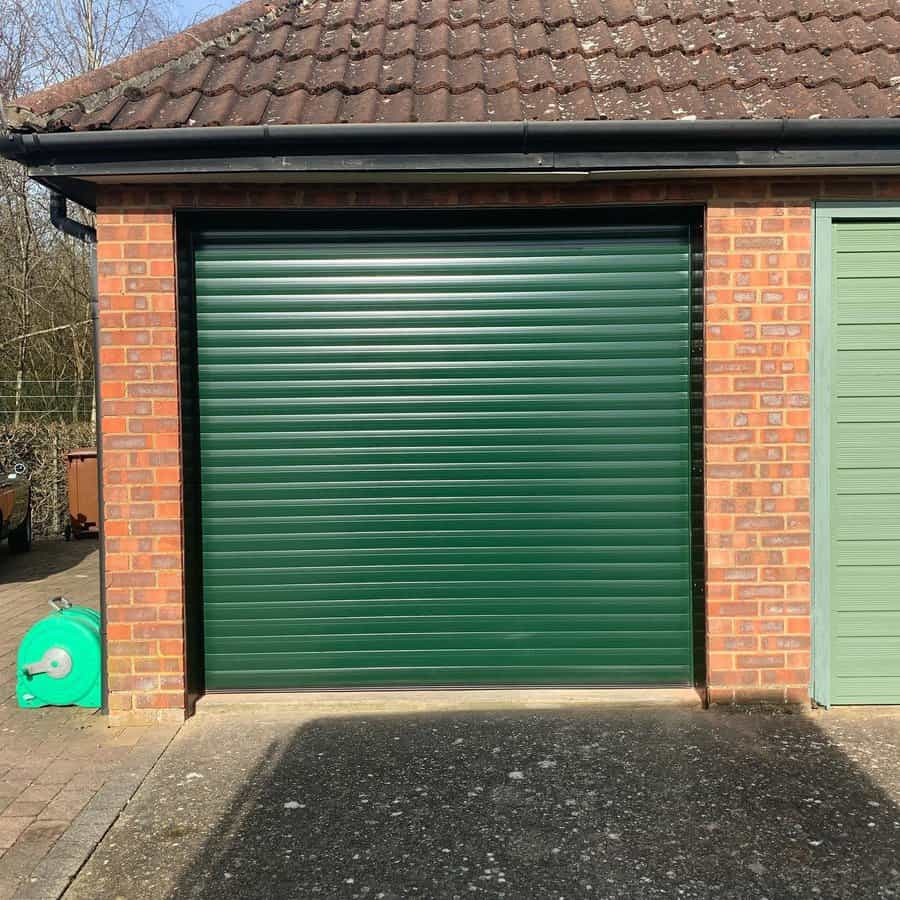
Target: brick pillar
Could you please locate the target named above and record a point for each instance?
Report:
(141, 463)
(758, 447)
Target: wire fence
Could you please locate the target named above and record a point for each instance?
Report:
(47, 401)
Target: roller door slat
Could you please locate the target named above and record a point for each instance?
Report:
(446, 457)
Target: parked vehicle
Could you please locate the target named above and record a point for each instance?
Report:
(15, 509)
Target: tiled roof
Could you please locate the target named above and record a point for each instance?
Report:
(332, 61)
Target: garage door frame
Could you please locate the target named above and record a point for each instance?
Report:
(189, 222)
(826, 213)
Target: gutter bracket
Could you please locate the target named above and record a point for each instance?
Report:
(779, 143)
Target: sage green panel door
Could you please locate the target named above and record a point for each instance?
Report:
(445, 457)
(865, 463)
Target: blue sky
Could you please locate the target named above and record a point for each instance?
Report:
(202, 9)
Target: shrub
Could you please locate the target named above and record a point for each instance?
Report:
(42, 447)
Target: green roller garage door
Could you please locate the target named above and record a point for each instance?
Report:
(445, 457)
(865, 462)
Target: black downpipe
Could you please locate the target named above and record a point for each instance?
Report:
(59, 218)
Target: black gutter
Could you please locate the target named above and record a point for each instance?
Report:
(59, 218)
(545, 145)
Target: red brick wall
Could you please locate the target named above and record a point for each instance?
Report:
(757, 455)
(758, 446)
(141, 461)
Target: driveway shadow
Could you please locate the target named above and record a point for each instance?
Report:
(48, 556)
(603, 802)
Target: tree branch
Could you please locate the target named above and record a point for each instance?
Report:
(31, 334)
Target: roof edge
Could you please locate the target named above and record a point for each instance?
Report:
(34, 109)
(74, 163)
(168, 145)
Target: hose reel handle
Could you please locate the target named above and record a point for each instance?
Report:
(59, 603)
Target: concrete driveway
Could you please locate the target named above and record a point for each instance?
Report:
(567, 803)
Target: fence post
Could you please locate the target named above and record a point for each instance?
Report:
(54, 491)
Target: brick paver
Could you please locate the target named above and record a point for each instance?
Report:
(64, 772)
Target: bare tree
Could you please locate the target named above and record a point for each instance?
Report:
(16, 62)
(46, 347)
(81, 35)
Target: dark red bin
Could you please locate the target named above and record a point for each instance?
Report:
(84, 506)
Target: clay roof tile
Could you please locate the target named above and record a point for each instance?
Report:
(331, 61)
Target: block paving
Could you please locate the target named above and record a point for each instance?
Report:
(65, 773)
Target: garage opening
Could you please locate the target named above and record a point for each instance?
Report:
(444, 451)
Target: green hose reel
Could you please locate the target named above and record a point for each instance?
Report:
(59, 659)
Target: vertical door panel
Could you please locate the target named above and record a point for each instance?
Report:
(865, 463)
